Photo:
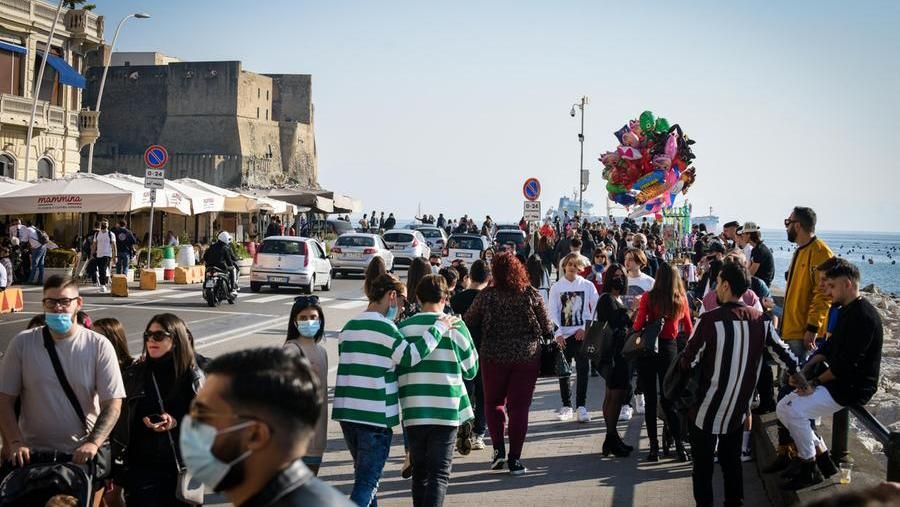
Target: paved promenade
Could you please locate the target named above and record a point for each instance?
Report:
(565, 464)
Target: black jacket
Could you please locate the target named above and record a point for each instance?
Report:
(221, 256)
(854, 354)
(296, 486)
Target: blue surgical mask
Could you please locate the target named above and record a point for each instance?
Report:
(196, 441)
(308, 328)
(391, 312)
(58, 322)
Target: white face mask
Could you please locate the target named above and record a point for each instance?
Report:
(196, 441)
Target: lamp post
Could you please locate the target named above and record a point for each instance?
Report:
(36, 89)
(580, 105)
(138, 15)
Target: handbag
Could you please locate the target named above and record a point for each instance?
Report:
(598, 342)
(682, 387)
(102, 462)
(186, 488)
(644, 342)
(553, 361)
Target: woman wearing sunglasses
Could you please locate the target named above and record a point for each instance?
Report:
(306, 330)
(160, 389)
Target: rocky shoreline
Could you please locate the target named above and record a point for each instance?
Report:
(885, 405)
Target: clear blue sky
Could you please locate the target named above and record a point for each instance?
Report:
(455, 105)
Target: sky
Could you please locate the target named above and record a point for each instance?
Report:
(452, 106)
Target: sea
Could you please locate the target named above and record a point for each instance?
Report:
(883, 249)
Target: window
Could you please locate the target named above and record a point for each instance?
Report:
(282, 247)
(51, 89)
(45, 168)
(267, 114)
(7, 166)
(257, 92)
(319, 251)
(257, 113)
(398, 237)
(267, 94)
(465, 243)
(11, 72)
(359, 241)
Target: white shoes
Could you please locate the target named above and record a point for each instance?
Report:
(746, 455)
(104, 289)
(478, 442)
(565, 414)
(626, 413)
(639, 404)
(583, 415)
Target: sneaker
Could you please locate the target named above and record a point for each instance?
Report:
(746, 455)
(639, 404)
(516, 467)
(583, 415)
(499, 460)
(625, 414)
(464, 439)
(478, 442)
(565, 414)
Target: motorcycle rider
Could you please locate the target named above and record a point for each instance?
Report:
(221, 256)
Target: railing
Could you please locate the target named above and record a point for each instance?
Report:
(890, 440)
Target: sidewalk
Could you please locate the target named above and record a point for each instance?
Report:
(565, 467)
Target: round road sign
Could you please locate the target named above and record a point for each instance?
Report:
(156, 157)
(532, 189)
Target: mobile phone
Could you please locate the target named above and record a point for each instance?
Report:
(156, 418)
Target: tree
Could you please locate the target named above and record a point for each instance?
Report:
(79, 4)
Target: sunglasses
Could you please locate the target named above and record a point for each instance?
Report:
(788, 222)
(157, 336)
(54, 302)
(307, 300)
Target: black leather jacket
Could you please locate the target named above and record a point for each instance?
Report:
(296, 486)
(221, 256)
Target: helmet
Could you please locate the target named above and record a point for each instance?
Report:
(224, 237)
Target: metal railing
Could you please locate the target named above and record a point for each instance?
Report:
(890, 440)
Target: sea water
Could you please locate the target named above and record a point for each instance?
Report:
(857, 247)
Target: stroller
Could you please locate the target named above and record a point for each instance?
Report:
(49, 474)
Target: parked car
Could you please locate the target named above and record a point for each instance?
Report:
(336, 227)
(290, 261)
(508, 227)
(352, 253)
(515, 238)
(435, 237)
(465, 247)
(406, 245)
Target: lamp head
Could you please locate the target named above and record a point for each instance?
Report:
(572, 112)
(141, 15)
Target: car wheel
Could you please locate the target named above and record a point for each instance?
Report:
(327, 286)
(335, 273)
(275, 287)
(255, 286)
(312, 285)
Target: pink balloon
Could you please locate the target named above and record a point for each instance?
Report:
(671, 146)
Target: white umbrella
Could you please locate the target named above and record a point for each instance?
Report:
(9, 184)
(233, 201)
(201, 201)
(168, 200)
(80, 192)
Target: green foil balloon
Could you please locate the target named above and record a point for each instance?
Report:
(647, 121)
(662, 125)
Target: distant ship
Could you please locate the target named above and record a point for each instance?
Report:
(570, 205)
(711, 221)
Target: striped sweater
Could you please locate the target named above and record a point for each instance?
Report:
(369, 350)
(432, 392)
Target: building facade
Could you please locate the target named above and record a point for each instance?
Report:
(56, 140)
(220, 123)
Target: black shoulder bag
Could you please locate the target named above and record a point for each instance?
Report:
(103, 461)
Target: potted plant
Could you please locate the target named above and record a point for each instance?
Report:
(186, 256)
(60, 261)
(245, 260)
(156, 258)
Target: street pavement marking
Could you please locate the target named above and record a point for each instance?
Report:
(321, 300)
(269, 299)
(186, 294)
(349, 305)
(232, 334)
(146, 305)
(150, 292)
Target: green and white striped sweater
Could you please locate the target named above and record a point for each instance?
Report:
(432, 392)
(370, 349)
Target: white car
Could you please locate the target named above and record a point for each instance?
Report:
(464, 247)
(291, 261)
(352, 252)
(435, 237)
(406, 245)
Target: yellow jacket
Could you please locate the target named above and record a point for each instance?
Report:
(805, 306)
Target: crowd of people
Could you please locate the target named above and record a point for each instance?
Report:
(452, 357)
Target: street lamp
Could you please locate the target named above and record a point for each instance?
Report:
(36, 88)
(138, 15)
(580, 105)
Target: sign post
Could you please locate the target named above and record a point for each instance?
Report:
(532, 192)
(532, 211)
(156, 157)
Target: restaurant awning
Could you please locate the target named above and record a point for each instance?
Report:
(241, 202)
(201, 200)
(305, 198)
(9, 184)
(168, 199)
(67, 75)
(80, 192)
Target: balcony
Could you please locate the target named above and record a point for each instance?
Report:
(15, 110)
(85, 27)
(88, 127)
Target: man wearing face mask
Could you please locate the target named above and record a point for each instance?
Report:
(50, 420)
(249, 427)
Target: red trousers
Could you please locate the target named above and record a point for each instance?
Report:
(508, 391)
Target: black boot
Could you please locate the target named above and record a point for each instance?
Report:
(807, 475)
(826, 466)
(782, 460)
(680, 453)
(666, 442)
(653, 455)
(613, 445)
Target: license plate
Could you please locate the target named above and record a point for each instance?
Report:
(352, 255)
(464, 255)
(210, 284)
(281, 279)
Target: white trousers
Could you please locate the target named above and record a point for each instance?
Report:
(795, 411)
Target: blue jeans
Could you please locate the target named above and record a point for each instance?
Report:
(37, 264)
(123, 259)
(431, 452)
(370, 447)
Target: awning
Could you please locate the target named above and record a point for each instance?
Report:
(304, 198)
(67, 75)
(6, 46)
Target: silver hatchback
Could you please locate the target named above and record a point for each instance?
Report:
(352, 252)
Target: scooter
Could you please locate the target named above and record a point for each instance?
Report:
(215, 287)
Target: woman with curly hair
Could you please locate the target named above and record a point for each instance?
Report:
(511, 317)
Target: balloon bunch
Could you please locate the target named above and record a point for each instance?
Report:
(650, 166)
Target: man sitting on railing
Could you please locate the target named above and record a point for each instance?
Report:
(853, 360)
